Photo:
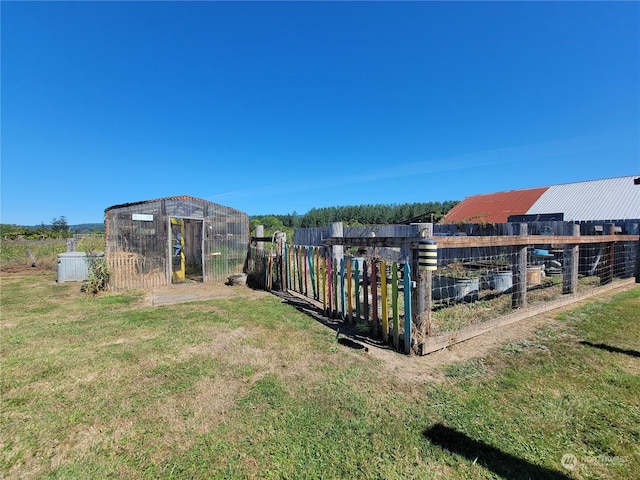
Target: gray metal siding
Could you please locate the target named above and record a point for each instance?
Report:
(607, 199)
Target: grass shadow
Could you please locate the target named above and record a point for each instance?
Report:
(347, 342)
(503, 464)
(353, 336)
(609, 348)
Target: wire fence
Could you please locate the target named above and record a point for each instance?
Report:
(475, 288)
(478, 280)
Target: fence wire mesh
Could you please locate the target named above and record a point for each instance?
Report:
(471, 285)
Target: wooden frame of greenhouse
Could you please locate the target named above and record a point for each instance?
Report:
(173, 240)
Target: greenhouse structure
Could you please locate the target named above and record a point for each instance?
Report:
(173, 240)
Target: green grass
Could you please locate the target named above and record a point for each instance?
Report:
(106, 386)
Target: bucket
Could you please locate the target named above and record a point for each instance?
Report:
(455, 289)
(501, 282)
(467, 289)
(534, 276)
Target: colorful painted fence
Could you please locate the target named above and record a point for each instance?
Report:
(479, 282)
(370, 293)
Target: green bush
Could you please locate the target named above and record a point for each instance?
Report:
(98, 276)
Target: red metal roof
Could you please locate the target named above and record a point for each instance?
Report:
(494, 207)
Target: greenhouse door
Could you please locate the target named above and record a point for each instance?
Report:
(178, 269)
(186, 250)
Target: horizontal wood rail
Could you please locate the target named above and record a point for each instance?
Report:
(479, 241)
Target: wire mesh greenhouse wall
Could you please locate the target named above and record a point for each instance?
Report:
(138, 235)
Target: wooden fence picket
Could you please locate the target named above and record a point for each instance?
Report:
(385, 304)
(357, 292)
(374, 297)
(336, 296)
(323, 275)
(342, 289)
(349, 292)
(394, 303)
(354, 290)
(407, 308)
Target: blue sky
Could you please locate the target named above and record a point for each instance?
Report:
(280, 107)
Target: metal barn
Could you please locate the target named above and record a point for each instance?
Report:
(173, 240)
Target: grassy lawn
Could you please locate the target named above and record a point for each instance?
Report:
(109, 387)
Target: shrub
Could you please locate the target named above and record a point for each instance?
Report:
(98, 276)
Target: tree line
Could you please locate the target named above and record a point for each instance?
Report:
(352, 215)
(58, 228)
(356, 215)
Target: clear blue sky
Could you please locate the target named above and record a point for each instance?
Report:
(276, 107)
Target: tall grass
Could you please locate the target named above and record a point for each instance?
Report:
(20, 253)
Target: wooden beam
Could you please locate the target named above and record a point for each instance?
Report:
(372, 241)
(479, 241)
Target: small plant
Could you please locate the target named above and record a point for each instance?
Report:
(459, 270)
(98, 276)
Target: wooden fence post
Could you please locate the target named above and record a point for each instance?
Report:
(365, 290)
(408, 316)
(357, 290)
(323, 273)
(612, 253)
(422, 298)
(374, 298)
(330, 291)
(570, 265)
(384, 308)
(519, 268)
(394, 303)
(349, 291)
(336, 229)
(282, 261)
